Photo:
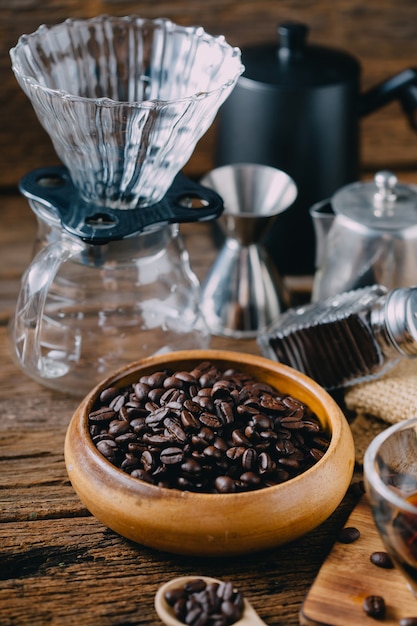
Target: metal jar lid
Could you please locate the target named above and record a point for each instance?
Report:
(401, 319)
(383, 204)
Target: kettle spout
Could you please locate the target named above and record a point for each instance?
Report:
(408, 99)
(393, 88)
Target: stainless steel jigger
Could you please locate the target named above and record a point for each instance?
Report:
(243, 291)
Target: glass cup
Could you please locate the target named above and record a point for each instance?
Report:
(390, 472)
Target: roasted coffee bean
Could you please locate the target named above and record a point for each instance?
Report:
(221, 444)
(289, 462)
(210, 420)
(171, 456)
(239, 438)
(108, 449)
(186, 377)
(118, 427)
(102, 415)
(292, 421)
(149, 460)
(374, 606)
(206, 430)
(249, 459)
(173, 382)
(235, 452)
(291, 403)
(155, 380)
(261, 422)
(311, 426)
(225, 412)
(382, 559)
(155, 440)
(265, 463)
(247, 410)
(136, 448)
(191, 406)
(107, 395)
(138, 425)
(141, 391)
(156, 394)
(117, 402)
(125, 438)
(222, 389)
(191, 467)
(189, 420)
(274, 405)
(204, 402)
(142, 475)
(408, 621)
(130, 462)
(349, 534)
(209, 378)
(320, 443)
(225, 484)
(174, 429)
(156, 417)
(316, 454)
(170, 395)
(250, 479)
(285, 447)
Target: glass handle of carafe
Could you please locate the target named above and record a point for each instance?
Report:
(27, 322)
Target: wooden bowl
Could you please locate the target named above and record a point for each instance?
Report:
(207, 524)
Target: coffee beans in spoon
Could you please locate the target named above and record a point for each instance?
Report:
(206, 430)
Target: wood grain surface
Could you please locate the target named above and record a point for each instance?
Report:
(382, 35)
(58, 565)
(348, 576)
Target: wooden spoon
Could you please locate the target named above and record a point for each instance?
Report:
(166, 614)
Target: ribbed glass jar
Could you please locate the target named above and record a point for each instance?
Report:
(347, 338)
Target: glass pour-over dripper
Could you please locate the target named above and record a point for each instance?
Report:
(124, 101)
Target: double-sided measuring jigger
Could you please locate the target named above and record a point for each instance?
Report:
(243, 291)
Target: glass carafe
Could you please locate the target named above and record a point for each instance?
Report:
(86, 309)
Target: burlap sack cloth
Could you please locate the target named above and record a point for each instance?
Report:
(382, 402)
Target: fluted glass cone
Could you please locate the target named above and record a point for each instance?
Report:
(124, 100)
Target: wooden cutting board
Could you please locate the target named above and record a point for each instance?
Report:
(348, 576)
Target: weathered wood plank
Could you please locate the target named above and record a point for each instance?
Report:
(73, 570)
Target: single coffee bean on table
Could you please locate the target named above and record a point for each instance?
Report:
(349, 534)
(382, 559)
(374, 606)
(206, 430)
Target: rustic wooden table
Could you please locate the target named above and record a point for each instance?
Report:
(58, 564)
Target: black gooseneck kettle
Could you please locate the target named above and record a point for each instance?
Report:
(297, 107)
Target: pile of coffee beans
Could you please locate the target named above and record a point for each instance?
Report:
(206, 430)
(202, 603)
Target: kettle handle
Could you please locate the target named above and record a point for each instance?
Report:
(26, 324)
(381, 94)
